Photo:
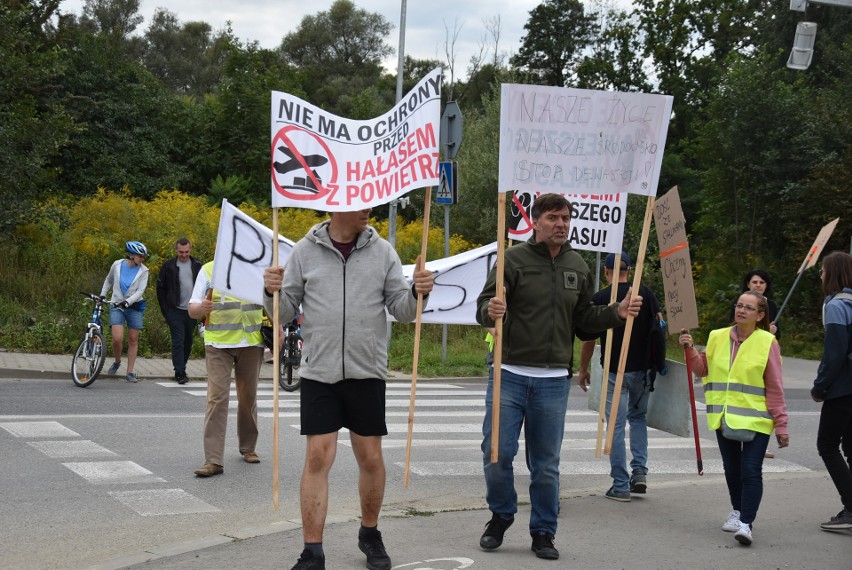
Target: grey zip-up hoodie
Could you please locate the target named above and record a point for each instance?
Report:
(113, 280)
(344, 324)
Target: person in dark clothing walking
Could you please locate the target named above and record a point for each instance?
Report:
(833, 384)
(174, 288)
(637, 382)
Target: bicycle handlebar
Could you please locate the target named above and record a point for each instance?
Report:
(99, 299)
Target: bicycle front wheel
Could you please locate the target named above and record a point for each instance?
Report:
(88, 360)
(285, 375)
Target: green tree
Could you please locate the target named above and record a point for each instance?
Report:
(33, 126)
(557, 33)
(117, 19)
(774, 171)
(475, 217)
(341, 53)
(133, 126)
(234, 138)
(615, 63)
(189, 57)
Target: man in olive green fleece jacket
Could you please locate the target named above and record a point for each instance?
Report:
(548, 291)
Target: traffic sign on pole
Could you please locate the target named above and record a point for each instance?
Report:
(448, 190)
(451, 130)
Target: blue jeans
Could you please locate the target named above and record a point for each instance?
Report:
(743, 462)
(633, 404)
(539, 404)
(181, 327)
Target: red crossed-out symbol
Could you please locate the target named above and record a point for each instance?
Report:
(297, 174)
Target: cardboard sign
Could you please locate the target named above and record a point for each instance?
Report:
(675, 263)
(819, 244)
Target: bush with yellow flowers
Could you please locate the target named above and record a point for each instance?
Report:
(72, 243)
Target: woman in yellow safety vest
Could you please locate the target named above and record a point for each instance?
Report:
(744, 394)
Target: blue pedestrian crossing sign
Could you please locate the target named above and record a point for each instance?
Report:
(448, 191)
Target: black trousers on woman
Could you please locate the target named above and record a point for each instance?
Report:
(834, 435)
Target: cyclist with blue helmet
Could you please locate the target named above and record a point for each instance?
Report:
(128, 279)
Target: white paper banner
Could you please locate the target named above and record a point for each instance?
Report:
(459, 280)
(597, 220)
(556, 139)
(326, 162)
(243, 252)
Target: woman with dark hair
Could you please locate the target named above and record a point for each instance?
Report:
(744, 392)
(758, 280)
(833, 384)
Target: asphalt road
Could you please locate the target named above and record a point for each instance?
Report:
(93, 474)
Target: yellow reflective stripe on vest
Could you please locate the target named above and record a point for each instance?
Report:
(232, 320)
(736, 390)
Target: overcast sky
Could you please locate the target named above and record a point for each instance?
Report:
(268, 21)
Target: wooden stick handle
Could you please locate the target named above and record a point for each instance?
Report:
(418, 324)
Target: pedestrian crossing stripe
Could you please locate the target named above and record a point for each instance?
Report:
(664, 467)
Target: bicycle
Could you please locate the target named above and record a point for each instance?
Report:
(90, 354)
(291, 357)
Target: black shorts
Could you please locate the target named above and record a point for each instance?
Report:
(358, 405)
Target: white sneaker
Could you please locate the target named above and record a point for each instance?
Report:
(733, 522)
(743, 535)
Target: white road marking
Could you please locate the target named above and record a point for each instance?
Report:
(567, 444)
(474, 468)
(38, 429)
(67, 449)
(113, 472)
(155, 502)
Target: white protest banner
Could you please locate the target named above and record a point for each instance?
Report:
(597, 220)
(458, 281)
(243, 252)
(326, 162)
(557, 139)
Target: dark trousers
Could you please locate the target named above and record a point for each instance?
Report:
(743, 462)
(834, 434)
(181, 328)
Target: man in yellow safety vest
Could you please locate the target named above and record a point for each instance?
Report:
(232, 341)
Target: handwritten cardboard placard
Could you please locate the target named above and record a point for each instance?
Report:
(675, 263)
(819, 244)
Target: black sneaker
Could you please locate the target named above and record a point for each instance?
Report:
(181, 378)
(374, 548)
(307, 561)
(843, 521)
(638, 483)
(543, 547)
(494, 529)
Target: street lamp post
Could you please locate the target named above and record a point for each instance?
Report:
(803, 43)
(399, 72)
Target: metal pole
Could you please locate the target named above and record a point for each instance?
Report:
(446, 254)
(399, 70)
(399, 73)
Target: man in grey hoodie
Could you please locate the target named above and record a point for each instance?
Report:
(344, 276)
